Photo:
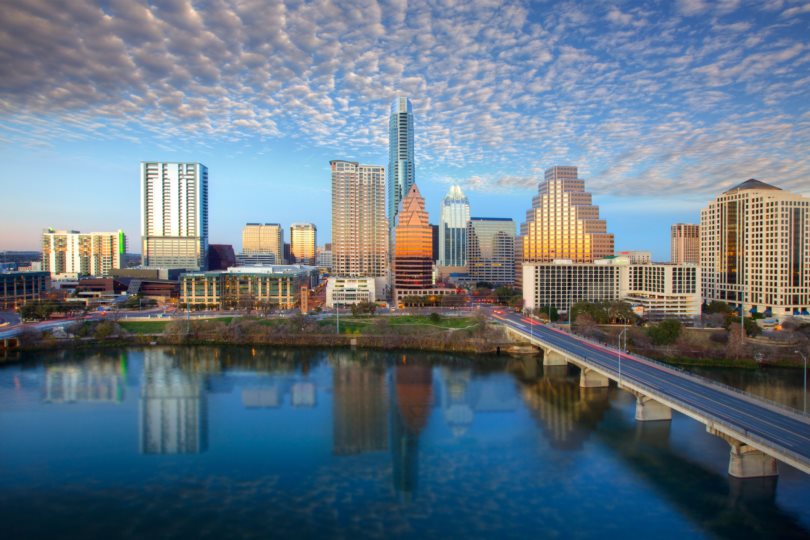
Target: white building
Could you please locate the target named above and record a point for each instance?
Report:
(67, 254)
(345, 291)
(684, 243)
(755, 250)
(174, 215)
(455, 214)
(659, 290)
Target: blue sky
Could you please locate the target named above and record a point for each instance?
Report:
(662, 105)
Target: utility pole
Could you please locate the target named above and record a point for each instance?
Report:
(804, 393)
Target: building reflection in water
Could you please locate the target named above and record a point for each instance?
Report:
(463, 396)
(359, 408)
(98, 379)
(566, 413)
(173, 412)
(412, 398)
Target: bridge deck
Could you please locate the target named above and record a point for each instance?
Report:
(779, 432)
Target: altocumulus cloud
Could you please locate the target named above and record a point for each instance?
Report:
(646, 97)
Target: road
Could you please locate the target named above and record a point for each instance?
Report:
(779, 429)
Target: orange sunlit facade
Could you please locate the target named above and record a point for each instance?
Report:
(413, 244)
(563, 223)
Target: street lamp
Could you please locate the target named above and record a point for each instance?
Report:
(619, 344)
(804, 394)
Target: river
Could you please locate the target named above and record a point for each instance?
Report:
(225, 442)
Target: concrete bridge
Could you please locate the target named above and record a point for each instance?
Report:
(759, 432)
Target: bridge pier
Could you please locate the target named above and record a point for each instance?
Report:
(589, 378)
(10, 343)
(746, 461)
(553, 358)
(648, 410)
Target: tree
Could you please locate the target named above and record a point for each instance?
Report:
(435, 318)
(597, 311)
(550, 312)
(666, 332)
(505, 294)
(620, 311)
(715, 306)
(364, 308)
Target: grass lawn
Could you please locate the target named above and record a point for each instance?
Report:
(144, 327)
(359, 325)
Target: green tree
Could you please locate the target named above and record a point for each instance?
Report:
(550, 312)
(435, 318)
(715, 306)
(666, 332)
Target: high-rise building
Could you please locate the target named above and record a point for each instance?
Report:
(453, 228)
(563, 222)
(221, 256)
(491, 250)
(359, 226)
(685, 243)
(755, 250)
(303, 243)
(264, 240)
(174, 215)
(401, 168)
(413, 244)
(89, 254)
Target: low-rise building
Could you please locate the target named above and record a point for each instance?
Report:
(346, 291)
(247, 287)
(17, 288)
(662, 290)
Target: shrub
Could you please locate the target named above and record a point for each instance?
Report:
(666, 332)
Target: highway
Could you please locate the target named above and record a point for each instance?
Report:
(779, 432)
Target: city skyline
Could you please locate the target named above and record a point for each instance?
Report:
(687, 100)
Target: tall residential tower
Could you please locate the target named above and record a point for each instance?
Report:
(685, 243)
(174, 215)
(401, 169)
(359, 227)
(453, 228)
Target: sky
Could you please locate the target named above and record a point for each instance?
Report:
(661, 104)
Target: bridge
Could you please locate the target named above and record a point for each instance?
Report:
(758, 431)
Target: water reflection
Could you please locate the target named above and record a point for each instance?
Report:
(173, 411)
(412, 399)
(359, 408)
(97, 379)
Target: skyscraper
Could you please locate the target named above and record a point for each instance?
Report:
(413, 244)
(755, 250)
(72, 252)
(491, 250)
(685, 243)
(263, 240)
(303, 243)
(359, 227)
(453, 228)
(563, 223)
(174, 215)
(401, 169)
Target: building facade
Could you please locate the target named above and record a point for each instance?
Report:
(563, 283)
(342, 291)
(413, 244)
(264, 240)
(453, 228)
(660, 291)
(246, 287)
(359, 225)
(685, 243)
(563, 222)
(19, 288)
(401, 164)
(174, 215)
(755, 250)
(303, 243)
(491, 250)
(72, 253)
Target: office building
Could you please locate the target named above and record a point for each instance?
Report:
(174, 215)
(755, 250)
(303, 243)
(563, 222)
(73, 254)
(247, 287)
(19, 288)
(324, 258)
(453, 229)
(263, 242)
(636, 257)
(401, 165)
(221, 256)
(359, 225)
(342, 291)
(413, 244)
(655, 291)
(685, 243)
(491, 250)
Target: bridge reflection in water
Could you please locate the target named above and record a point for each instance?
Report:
(569, 416)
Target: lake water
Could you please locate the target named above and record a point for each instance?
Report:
(237, 442)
